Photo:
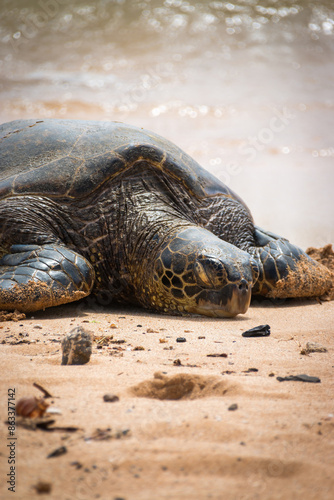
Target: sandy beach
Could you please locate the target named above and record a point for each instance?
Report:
(187, 424)
(247, 90)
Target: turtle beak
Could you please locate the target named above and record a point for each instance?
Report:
(226, 290)
(231, 300)
(238, 299)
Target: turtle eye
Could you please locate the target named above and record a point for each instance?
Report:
(210, 272)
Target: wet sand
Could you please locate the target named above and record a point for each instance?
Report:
(278, 443)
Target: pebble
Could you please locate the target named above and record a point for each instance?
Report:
(257, 331)
(110, 398)
(76, 464)
(300, 378)
(52, 410)
(76, 347)
(58, 452)
(43, 487)
(181, 339)
(233, 407)
(222, 355)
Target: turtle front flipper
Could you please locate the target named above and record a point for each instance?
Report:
(286, 270)
(34, 277)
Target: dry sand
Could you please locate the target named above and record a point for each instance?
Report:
(277, 444)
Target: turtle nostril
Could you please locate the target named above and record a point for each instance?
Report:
(243, 285)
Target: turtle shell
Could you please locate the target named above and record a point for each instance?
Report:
(69, 159)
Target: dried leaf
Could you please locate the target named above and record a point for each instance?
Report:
(31, 407)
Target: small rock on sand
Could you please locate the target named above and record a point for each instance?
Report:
(233, 407)
(76, 347)
(110, 398)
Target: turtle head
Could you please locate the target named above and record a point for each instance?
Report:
(196, 272)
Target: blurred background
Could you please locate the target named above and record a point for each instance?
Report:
(246, 88)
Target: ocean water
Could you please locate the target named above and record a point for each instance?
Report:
(246, 88)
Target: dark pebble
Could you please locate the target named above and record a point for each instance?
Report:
(222, 355)
(257, 331)
(233, 407)
(76, 347)
(43, 487)
(110, 398)
(57, 452)
(76, 464)
(181, 339)
(300, 378)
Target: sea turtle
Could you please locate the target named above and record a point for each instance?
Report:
(111, 209)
